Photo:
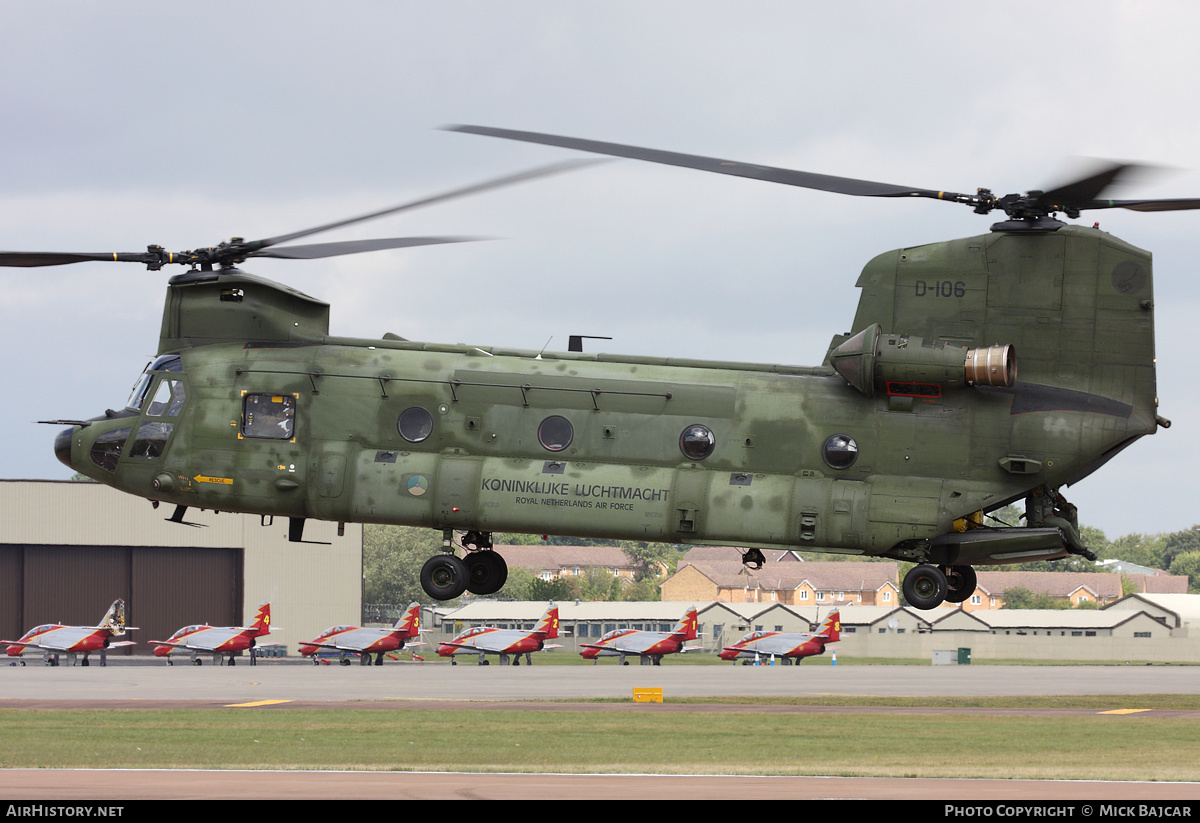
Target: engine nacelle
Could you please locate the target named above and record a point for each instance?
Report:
(911, 366)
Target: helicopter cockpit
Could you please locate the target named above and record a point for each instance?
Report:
(158, 395)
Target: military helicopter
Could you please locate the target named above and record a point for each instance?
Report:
(913, 427)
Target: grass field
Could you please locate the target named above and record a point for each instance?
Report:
(1083, 746)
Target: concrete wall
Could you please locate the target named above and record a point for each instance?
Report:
(985, 645)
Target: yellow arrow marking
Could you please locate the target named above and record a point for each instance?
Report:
(224, 481)
(1125, 711)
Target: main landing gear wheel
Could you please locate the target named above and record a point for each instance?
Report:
(925, 587)
(960, 581)
(444, 577)
(486, 572)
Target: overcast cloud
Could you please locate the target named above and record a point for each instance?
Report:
(186, 123)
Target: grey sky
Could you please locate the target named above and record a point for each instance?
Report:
(185, 123)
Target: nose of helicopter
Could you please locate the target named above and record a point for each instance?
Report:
(62, 446)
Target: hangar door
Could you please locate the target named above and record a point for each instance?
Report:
(163, 588)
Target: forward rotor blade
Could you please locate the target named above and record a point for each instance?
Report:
(770, 174)
(155, 257)
(32, 259)
(508, 180)
(313, 251)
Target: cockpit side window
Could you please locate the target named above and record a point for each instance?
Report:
(271, 416)
(168, 398)
(106, 450)
(151, 439)
(167, 362)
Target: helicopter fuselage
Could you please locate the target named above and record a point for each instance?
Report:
(889, 448)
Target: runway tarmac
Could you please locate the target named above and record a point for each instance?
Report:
(279, 680)
(125, 684)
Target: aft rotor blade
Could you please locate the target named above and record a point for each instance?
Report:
(313, 251)
(508, 180)
(1078, 193)
(1182, 204)
(770, 174)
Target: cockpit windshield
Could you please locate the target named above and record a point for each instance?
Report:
(167, 362)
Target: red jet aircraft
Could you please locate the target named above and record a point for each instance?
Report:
(354, 640)
(650, 646)
(788, 647)
(484, 640)
(54, 639)
(216, 640)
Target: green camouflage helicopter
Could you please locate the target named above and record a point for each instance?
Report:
(914, 426)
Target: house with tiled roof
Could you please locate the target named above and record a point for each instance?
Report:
(790, 583)
(729, 554)
(552, 562)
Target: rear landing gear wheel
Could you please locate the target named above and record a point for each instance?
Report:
(960, 581)
(444, 577)
(925, 587)
(487, 572)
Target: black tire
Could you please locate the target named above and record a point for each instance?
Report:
(444, 577)
(486, 572)
(925, 587)
(960, 581)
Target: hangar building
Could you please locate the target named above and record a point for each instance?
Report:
(68, 549)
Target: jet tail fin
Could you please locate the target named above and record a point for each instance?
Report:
(262, 620)
(548, 625)
(831, 628)
(687, 625)
(114, 618)
(409, 624)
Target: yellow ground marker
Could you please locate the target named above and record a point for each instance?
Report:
(256, 703)
(647, 695)
(1125, 711)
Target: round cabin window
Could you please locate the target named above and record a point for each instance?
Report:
(840, 451)
(556, 433)
(697, 442)
(415, 424)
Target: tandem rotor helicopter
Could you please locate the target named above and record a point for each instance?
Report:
(915, 425)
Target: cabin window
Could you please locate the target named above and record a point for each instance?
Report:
(556, 433)
(839, 451)
(415, 424)
(271, 416)
(697, 442)
(106, 450)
